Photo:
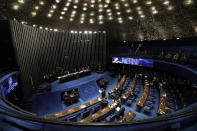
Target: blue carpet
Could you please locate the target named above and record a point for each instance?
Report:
(46, 103)
(50, 102)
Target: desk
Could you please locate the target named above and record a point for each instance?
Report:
(70, 99)
(73, 110)
(126, 95)
(73, 76)
(144, 96)
(121, 83)
(128, 117)
(100, 113)
(163, 102)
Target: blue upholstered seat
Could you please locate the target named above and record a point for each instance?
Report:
(73, 118)
(95, 109)
(85, 114)
(129, 102)
(146, 109)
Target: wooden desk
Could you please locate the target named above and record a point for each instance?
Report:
(128, 117)
(163, 102)
(74, 75)
(73, 110)
(121, 83)
(126, 95)
(144, 96)
(100, 113)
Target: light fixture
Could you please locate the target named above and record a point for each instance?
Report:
(41, 3)
(33, 13)
(15, 7)
(21, 1)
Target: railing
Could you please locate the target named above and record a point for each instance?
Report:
(30, 120)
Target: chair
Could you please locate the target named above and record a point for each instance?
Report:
(94, 110)
(122, 110)
(171, 105)
(129, 102)
(149, 104)
(104, 103)
(113, 116)
(146, 109)
(73, 118)
(132, 99)
(151, 99)
(152, 94)
(108, 119)
(85, 114)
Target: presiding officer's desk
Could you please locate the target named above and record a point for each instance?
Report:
(75, 75)
(74, 110)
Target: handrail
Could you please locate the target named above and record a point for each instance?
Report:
(31, 117)
(16, 107)
(12, 105)
(15, 114)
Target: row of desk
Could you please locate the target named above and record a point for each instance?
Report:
(74, 110)
(100, 113)
(120, 84)
(144, 96)
(72, 76)
(163, 102)
(126, 95)
(128, 117)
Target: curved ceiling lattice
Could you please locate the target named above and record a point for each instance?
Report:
(122, 19)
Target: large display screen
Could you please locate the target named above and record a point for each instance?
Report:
(8, 85)
(132, 61)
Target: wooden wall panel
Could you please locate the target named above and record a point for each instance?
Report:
(39, 52)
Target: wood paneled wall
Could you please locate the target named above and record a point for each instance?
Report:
(40, 51)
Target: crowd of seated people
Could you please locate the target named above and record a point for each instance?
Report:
(176, 57)
(65, 75)
(178, 91)
(181, 56)
(173, 93)
(70, 97)
(71, 76)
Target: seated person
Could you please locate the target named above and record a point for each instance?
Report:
(168, 56)
(161, 55)
(176, 57)
(183, 58)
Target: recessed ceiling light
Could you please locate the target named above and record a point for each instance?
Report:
(15, 7)
(41, 3)
(33, 13)
(21, 1)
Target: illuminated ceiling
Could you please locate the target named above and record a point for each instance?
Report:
(122, 19)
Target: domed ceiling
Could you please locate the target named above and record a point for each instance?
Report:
(131, 20)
